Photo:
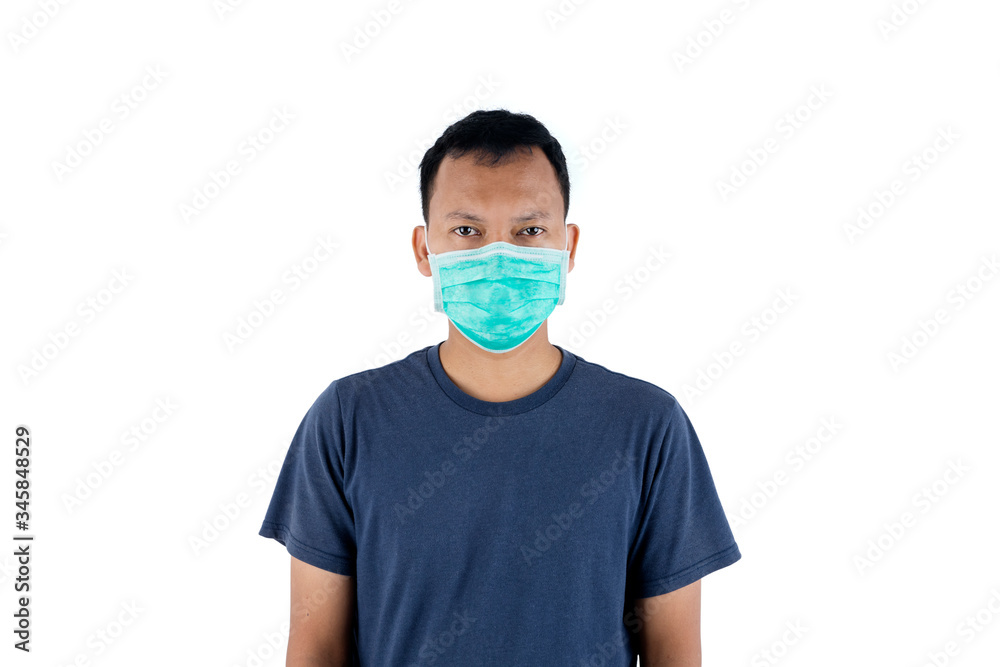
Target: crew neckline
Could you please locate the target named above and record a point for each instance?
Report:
(500, 408)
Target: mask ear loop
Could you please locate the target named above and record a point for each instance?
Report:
(435, 276)
(563, 270)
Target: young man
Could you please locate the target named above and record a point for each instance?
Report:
(495, 499)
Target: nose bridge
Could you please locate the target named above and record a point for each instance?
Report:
(497, 233)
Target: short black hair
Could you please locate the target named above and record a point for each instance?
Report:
(494, 136)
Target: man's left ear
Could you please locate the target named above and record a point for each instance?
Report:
(571, 241)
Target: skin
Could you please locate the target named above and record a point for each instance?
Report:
(322, 617)
(670, 635)
(473, 205)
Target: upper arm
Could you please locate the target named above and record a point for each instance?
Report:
(322, 617)
(682, 533)
(670, 633)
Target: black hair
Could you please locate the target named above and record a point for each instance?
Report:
(494, 136)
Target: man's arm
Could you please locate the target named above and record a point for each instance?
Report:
(322, 617)
(670, 634)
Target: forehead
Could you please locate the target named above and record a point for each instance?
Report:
(523, 179)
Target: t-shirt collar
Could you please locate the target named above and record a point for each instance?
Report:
(500, 408)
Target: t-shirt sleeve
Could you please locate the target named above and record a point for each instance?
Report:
(309, 512)
(683, 533)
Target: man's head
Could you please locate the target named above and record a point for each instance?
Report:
(492, 138)
(494, 176)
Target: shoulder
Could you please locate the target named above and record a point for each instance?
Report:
(405, 375)
(627, 391)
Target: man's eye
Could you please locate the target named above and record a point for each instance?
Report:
(537, 228)
(465, 227)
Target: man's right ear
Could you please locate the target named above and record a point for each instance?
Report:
(419, 242)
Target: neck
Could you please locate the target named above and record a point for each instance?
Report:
(499, 377)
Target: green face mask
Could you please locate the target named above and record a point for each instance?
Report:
(498, 295)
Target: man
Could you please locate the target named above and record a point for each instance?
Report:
(495, 499)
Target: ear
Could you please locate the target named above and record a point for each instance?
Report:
(420, 250)
(573, 235)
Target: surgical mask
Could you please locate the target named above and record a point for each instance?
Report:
(498, 295)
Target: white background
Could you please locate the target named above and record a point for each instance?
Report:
(661, 135)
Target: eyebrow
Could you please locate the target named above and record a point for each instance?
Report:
(461, 214)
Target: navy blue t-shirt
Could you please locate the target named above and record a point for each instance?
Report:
(499, 533)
